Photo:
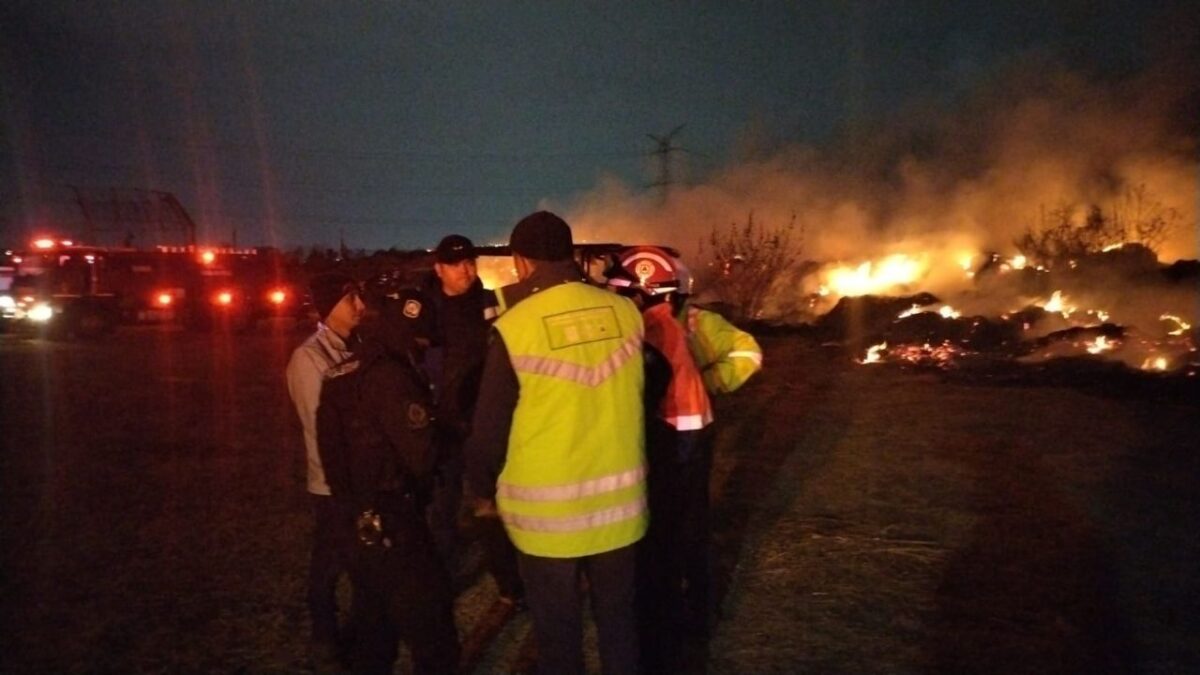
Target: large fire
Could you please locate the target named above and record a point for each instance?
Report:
(1096, 308)
(873, 277)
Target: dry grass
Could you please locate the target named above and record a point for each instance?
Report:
(868, 519)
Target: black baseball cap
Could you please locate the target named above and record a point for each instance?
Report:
(454, 248)
(542, 236)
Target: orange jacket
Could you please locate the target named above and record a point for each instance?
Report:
(686, 405)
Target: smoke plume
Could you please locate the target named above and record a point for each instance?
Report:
(945, 184)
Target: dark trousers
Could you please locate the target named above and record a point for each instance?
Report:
(444, 506)
(552, 589)
(403, 593)
(674, 561)
(500, 557)
(331, 546)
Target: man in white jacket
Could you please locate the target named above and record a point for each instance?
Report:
(336, 299)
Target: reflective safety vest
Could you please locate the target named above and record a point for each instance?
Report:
(574, 478)
(726, 355)
(686, 405)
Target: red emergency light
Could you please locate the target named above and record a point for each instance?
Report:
(277, 296)
(207, 257)
(164, 299)
(47, 243)
(223, 298)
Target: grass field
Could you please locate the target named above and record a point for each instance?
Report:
(868, 519)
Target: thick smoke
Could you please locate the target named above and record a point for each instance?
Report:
(941, 185)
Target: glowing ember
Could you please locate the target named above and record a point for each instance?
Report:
(940, 356)
(1113, 247)
(873, 353)
(1100, 344)
(1181, 326)
(874, 278)
(946, 311)
(1018, 262)
(1099, 314)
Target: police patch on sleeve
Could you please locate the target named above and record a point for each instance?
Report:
(412, 308)
(418, 417)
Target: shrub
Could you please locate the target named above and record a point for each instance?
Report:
(747, 259)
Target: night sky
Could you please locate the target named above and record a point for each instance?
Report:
(391, 124)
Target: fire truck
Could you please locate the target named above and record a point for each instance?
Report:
(62, 288)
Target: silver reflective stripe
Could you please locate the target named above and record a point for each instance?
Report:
(687, 422)
(562, 493)
(588, 376)
(753, 356)
(586, 521)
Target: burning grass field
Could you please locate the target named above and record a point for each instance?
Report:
(867, 518)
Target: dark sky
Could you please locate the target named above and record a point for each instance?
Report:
(395, 123)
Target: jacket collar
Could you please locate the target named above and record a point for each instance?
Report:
(546, 275)
(334, 341)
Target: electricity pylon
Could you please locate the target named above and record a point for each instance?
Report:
(664, 146)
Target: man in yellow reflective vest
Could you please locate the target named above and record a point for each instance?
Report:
(558, 440)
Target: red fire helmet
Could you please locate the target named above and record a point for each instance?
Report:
(656, 270)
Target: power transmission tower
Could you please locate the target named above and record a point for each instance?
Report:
(664, 146)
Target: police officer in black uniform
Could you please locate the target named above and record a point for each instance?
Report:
(463, 311)
(375, 432)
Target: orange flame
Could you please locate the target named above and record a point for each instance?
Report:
(874, 277)
(1155, 363)
(1181, 326)
(873, 353)
(1100, 345)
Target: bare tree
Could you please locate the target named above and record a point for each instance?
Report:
(1144, 219)
(748, 259)
(1136, 217)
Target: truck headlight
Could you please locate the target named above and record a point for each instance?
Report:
(7, 302)
(40, 312)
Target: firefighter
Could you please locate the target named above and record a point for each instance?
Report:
(679, 452)
(462, 310)
(336, 300)
(726, 355)
(558, 439)
(375, 433)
